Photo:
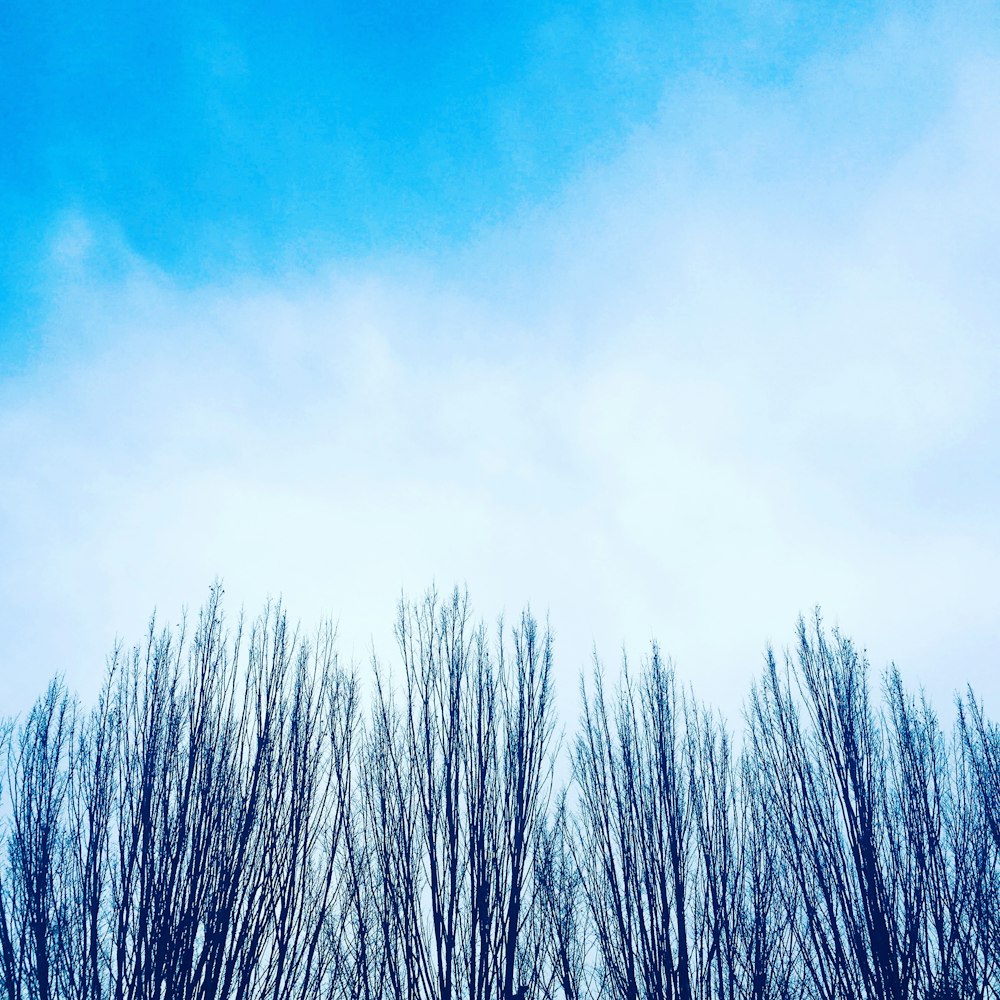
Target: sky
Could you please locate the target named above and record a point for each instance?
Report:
(672, 321)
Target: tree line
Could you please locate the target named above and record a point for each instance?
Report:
(232, 820)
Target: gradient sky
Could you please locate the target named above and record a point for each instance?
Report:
(673, 320)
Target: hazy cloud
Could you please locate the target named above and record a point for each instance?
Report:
(671, 404)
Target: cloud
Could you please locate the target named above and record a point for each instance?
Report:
(681, 401)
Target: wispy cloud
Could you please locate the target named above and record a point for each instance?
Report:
(713, 384)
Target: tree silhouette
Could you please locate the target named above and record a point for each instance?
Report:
(235, 819)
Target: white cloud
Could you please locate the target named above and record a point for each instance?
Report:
(668, 406)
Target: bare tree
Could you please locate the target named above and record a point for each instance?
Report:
(883, 858)
(656, 839)
(974, 834)
(186, 835)
(36, 930)
(456, 790)
(227, 823)
(765, 965)
(560, 909)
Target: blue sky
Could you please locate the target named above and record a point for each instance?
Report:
(222, 139)
(675, 320)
